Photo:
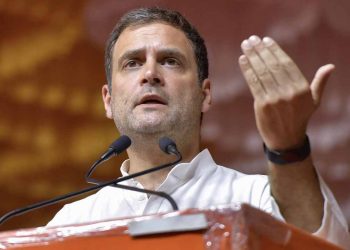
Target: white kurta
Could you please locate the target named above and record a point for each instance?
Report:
(198, 184)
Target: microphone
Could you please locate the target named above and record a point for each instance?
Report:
(57, 199)
(117, 147)
(166, 145)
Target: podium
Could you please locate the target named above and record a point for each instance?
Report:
(217, 228)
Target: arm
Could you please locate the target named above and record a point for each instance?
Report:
(283, 103)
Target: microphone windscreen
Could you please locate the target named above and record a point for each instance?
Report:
(121, 144)
(164, 144)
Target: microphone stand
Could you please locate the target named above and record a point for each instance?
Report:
(147, 191)
(90, 189)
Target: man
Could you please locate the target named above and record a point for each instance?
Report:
(157, 72)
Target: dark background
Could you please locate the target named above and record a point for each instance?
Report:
(52, 124)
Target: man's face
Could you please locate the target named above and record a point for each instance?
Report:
(155, 86)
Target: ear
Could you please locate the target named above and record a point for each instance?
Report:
(107, 99)
(206, 90)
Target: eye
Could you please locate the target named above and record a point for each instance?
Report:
(171, 61)
(132, 64)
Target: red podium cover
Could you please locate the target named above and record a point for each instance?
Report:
(225, 227)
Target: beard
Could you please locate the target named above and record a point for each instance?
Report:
(147, 123)
(176, 117)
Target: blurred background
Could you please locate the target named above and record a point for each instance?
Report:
(52, 123)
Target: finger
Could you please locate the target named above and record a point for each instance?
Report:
(286, 62)
(277, 71)
(252, 80)
(319, 82)
(260, 68)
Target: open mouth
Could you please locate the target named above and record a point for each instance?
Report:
(152, 99)
(152, 102)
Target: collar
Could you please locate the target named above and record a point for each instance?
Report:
(202, 163)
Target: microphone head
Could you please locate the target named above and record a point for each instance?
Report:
(167, 145)
(121, 144)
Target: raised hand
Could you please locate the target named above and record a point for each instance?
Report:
(283, 99)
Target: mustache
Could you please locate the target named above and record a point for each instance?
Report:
(151, 90)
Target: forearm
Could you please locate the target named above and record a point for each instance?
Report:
(297, 192)
(284, 102)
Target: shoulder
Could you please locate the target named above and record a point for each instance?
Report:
(252, 179)
(230, 174)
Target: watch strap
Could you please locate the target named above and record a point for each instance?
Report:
(282, 157)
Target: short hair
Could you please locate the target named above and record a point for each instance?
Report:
(153, 15)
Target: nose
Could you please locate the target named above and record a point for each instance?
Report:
(151, 74)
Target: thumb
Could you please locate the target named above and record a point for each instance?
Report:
(319, 82)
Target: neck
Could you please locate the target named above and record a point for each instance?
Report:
(145, 154)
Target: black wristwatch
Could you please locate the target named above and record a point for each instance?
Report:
(288, 156)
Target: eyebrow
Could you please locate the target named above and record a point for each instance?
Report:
(162, 52)
(130, 54)
(172, 52)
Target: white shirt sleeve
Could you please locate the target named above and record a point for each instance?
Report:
(334, 227)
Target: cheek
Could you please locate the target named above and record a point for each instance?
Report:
(121, 102)
(122, 92)
(118, 103)
(189, 97)
(185, 84)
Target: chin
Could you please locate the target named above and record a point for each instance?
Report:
(152, 127)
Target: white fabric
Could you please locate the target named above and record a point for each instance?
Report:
(200, 183)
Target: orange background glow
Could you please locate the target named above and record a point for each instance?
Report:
(52, 122)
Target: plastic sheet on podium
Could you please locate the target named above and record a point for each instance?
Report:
(223, 227)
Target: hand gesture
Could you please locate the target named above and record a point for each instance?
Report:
(283, 99)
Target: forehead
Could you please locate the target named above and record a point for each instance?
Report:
(152, 36)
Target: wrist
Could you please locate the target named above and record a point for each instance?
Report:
(282, 157)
